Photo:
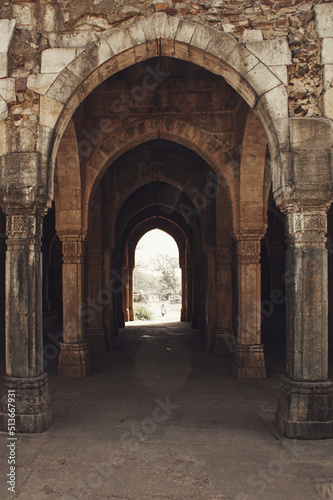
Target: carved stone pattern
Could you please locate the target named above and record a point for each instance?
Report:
(248, 251)
(22, 228)
(72, 252)
(307, 227)
(69, 249)
(310, 222)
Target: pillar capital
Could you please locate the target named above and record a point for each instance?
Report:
(248, 250)
(21, 183)
(73, 248)
(23, 229)
(306, 225)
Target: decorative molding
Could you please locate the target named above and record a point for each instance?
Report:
(72, 250)
(248, 251)
(23, 229)
(306, 227)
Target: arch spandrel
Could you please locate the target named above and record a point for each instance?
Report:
(215, 51)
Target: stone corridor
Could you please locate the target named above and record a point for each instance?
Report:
(161, 418)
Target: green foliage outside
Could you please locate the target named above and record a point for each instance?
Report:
(142, 312)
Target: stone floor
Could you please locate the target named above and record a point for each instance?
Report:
(161, 418)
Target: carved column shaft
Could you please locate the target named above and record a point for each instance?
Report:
(74, 357)
(249, 359)
(24, 293)
(125, 275)
(305, 405)
(130, 292)
(196, 291)
(306, 294)
(24, 322)
(183, 312)
(189, 292)
(97, 300)
(224, 335)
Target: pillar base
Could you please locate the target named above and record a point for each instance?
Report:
(74, 360)
(33, 411)
(305, 409)
(249, 362)
(225, 341)
(96, 339)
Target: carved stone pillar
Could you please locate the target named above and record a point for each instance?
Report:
(189, 292)
(74, 358)
(130, 293)
(97, 300)
(249, 361)
(118, 286)
(183, 312)
(24, 323)
(196, 289)
(224, 333)
(125, 275)
(305, 407)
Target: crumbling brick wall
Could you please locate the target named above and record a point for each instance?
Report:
(50, 23)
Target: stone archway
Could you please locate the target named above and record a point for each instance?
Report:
(173, 230)
(161, 35)
(77, 75)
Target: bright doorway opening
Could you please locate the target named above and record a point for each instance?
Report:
(157, 280)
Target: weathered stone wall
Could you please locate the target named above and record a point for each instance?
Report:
(47, 24)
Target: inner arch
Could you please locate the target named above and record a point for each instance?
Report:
(157, 281)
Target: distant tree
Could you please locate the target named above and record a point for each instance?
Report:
(143, 280)
(166, 266)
